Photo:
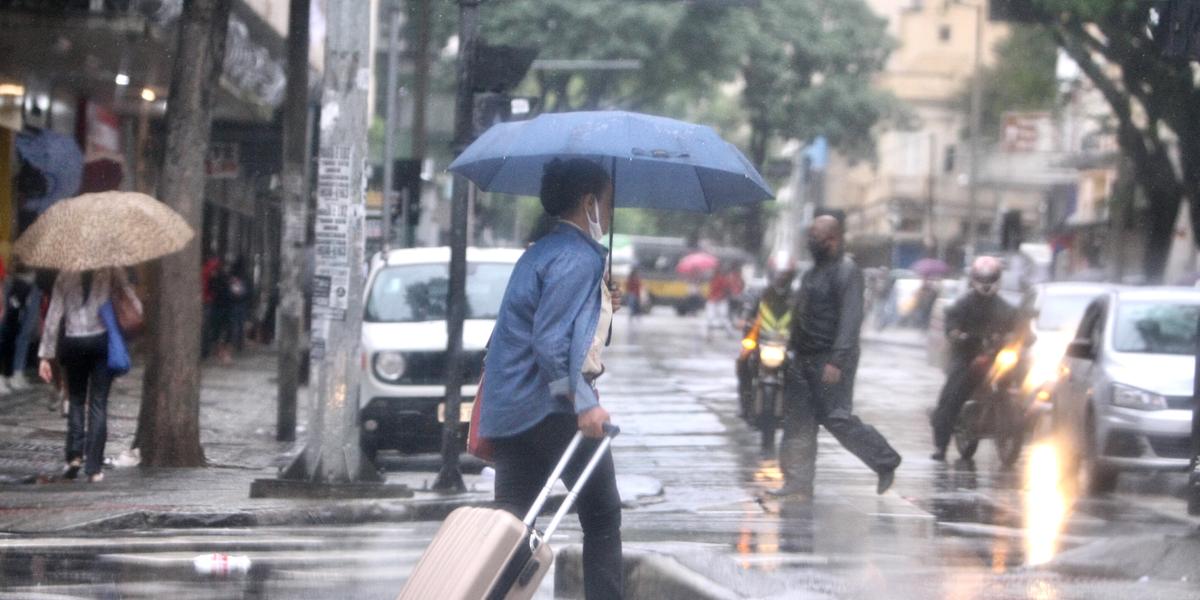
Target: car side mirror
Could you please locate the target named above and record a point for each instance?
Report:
(1082, 349)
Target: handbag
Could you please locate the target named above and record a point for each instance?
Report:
(129, 315)
(119, 362)
(477, 445)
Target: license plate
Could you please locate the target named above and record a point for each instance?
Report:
(464, 412)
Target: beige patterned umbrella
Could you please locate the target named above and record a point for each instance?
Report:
(108, 229)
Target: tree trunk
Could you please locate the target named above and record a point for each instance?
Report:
(295, 221)
(169, 421)
(755, 228)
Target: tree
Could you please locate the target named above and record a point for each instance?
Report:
(169, 420)
(1155, 101)
(807, 73)
(1021, 79)
(803, 67)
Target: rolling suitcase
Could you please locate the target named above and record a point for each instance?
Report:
(487, 554)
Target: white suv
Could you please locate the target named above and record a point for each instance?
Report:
(401, 399)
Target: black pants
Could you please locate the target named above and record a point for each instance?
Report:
(961, 381)
(811, 402)
(524, 463)
(85, 364)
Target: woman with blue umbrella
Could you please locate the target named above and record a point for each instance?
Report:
(544, 357)
(543, 362)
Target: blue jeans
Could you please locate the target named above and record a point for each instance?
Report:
(30, 315)
(85, 363)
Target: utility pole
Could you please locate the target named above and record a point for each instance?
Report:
(295, 219)
(332, 463)
(420, 102)
(389, 143)
(450, 477)
(976, 126)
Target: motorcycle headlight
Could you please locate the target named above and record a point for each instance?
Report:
(1131, 397)
(749, 344)
(772, 355)
(1007, 359)
(390, 366)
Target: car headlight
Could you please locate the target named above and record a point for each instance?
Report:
(390, 366)
(1131, 397)
(772, 355)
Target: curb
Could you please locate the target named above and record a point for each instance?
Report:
(649, 575)
(1161, 557)
(339, 513)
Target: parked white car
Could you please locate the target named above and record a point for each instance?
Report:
(402, 395)
(1124, 401)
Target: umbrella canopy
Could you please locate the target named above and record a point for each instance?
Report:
(931, 267)
(697, 263)
(108, 229)
(655, 162)
(58, 158)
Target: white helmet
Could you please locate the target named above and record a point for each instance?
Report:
(985, 275)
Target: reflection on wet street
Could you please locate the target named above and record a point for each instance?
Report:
(953, 530)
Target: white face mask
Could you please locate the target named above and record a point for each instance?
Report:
(594, 228)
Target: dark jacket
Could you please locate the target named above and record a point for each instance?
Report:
(979, 317)
(830, 312)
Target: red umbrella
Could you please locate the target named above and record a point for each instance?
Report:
(697, 263)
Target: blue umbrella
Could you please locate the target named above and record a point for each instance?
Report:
(59, 160)
(655, 162)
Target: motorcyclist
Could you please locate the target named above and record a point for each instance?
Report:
(973, 323)
(768, 313)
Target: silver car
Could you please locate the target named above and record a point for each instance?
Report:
(1124, 401)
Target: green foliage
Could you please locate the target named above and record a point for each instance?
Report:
(1022, 79)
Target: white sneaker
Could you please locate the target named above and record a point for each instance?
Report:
(128, 458)
(19, 383)
(4, 389)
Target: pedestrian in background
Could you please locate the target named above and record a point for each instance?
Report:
(209, 333)
(542, 365)
(716, 309)
(820, 381)
(74, 312)
(22, 314)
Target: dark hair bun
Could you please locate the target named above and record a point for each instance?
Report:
(566, 182)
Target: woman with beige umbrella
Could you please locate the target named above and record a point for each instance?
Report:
(90, 239)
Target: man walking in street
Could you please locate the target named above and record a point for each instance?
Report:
(820, 378)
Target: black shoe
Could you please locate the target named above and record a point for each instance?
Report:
(72, 469)
(939, 456)
(885, 481)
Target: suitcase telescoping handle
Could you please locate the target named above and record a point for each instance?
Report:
(610, 431)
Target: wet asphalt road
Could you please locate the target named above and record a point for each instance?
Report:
(958, 530)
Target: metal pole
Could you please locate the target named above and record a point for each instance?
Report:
(976, 122)
(450, 477)
(338, 286)
(389, 144)
(295, 219)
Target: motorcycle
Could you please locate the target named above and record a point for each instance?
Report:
(765, 408)
(997, 408)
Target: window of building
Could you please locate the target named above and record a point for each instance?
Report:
(944, 33)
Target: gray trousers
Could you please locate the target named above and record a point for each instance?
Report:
(811, 402)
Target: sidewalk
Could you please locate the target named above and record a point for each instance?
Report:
(238, 435)
(237, 428)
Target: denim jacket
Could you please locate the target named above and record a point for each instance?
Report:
(542, 335)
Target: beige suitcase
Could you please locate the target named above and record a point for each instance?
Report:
(488, 554)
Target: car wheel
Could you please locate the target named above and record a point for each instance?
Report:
(1094, 478)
